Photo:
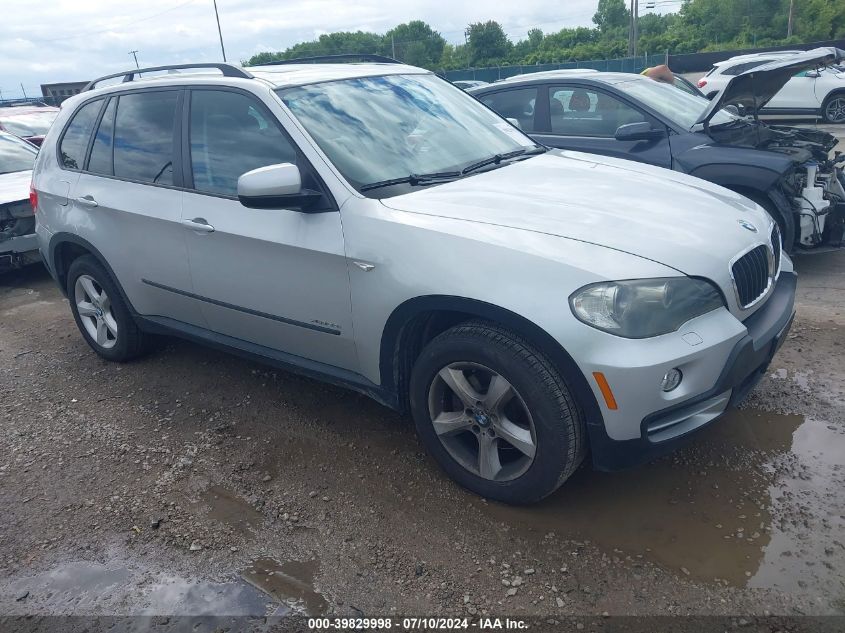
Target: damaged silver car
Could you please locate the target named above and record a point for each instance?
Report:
(18, 244)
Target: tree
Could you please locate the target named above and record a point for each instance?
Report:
(415, 43)
(488, 43)
(611, 14)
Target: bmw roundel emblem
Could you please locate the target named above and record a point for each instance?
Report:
(747, 225)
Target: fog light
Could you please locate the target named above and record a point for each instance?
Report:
(671, 379)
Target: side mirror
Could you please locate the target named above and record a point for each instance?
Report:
(275, 187)
(514, 122)
(641, 131)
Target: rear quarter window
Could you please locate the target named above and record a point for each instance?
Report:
(74, 143)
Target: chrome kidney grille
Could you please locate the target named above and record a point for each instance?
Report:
(754, 271)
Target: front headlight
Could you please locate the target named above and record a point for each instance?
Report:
(640, 308)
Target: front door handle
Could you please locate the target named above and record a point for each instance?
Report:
(87, 201)
(198, 224)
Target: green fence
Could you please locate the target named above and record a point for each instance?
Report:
(624, 64)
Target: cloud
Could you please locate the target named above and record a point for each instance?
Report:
(76, 40)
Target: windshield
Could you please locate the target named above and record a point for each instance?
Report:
(682, 108)
(376, 129)
(29, 124)
(15, 154)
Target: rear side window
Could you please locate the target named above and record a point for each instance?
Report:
(74, 143)
(514, 104)
(231, 135)
(101, 152)
(143, 136)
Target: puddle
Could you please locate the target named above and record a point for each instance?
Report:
(757, 500)
(266, 589)
(291, 583)
(230, 509)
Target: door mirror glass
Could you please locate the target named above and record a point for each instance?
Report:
(275, 187)
(638, 132)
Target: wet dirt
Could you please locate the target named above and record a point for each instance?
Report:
(291, 583)
(265, 588)
(230, 509)
(721, 511)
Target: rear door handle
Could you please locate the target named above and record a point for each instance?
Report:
(198, 224)
(87, 201)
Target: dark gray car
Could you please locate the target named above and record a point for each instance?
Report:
(784, 169)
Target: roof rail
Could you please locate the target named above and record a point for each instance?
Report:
(328, 59)
(228, 70)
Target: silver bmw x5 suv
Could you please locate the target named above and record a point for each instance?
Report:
(371, 225)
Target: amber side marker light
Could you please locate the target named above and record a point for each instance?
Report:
(601, 381)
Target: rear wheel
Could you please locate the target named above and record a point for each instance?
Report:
(833, 109)
(100, 312)
(496, 414)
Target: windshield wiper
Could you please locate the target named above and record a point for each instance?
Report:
(498, 158)
(415, 180)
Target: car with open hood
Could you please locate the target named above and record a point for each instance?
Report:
(787, 170)
(29, 121)
(18, 245)
(816, 92)
(374, 226)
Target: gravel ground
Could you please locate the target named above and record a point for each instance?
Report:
(192, 482)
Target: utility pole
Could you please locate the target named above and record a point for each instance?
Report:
(219, 32)
(393, 46)
(791, 18)
(135, 55)
(23, 90)
(636, 25)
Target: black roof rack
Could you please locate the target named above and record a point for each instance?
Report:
(228, 70)
(328, 59)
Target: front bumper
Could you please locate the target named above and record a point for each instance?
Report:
(663, 431)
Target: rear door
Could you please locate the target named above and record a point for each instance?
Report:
(585, 119)
(127, 202)
(273, 277)
(799, 93)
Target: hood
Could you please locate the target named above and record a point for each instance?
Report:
(14, 187)
(683, 222)
(754, 88)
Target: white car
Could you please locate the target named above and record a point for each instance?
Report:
(818, 92)
(18, 245)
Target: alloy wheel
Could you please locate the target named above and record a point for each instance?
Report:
(95, 311)
(482, 421)
(835, 110)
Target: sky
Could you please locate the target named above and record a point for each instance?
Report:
(77, 40)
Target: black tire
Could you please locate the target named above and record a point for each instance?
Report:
(130, 342)
(834, 95)
(560, 434)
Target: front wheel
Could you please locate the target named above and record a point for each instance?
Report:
(833, 109)
(496, 414)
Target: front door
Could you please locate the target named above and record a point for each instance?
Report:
(272, 277)
(586, 120)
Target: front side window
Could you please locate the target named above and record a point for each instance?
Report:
(230, 135)
(15, 154)
(74, 143)
(376, 129)
(576, 111)
(143, 136)
(514, 104)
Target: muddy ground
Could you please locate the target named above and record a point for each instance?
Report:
(194, 482)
